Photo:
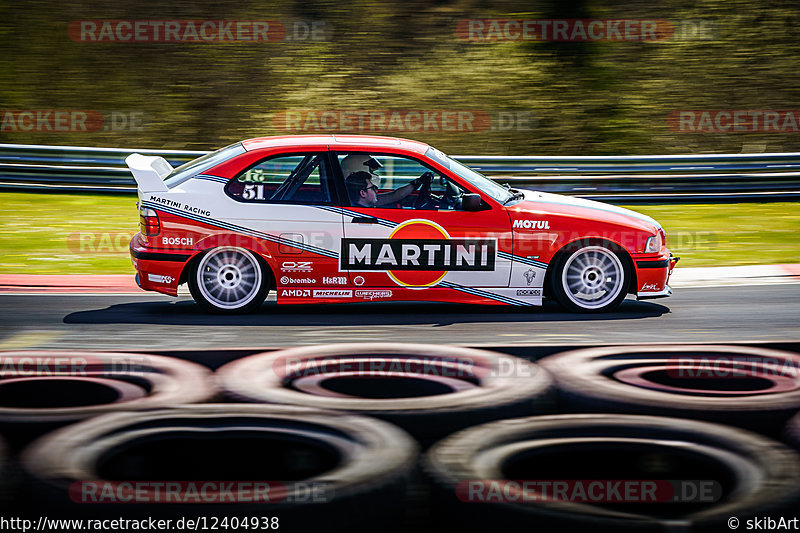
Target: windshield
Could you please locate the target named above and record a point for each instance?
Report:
(497, 192)
(202, 163)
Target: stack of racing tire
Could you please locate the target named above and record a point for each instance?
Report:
(365, 437)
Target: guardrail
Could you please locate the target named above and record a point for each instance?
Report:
(650, 178)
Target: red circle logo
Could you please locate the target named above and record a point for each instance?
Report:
(413, 230)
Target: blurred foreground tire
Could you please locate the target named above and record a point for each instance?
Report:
(326, 471)
(754, 388)
(792, 432)
(429, 390)
(44, 390)
(4, 478)
(472, 470)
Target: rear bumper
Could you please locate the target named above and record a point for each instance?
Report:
(157, 270)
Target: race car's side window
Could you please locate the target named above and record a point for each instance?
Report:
(287, 179)
(396, 172)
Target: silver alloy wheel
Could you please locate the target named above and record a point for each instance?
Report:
(592, 277)
(229, 277)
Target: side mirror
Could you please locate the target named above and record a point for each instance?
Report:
(471, 202)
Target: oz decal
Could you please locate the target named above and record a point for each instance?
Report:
(297, 266)
(418, 253)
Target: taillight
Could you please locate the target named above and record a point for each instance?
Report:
(148, 222)
(663, 238)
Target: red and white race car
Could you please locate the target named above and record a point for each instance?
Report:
(328, 219)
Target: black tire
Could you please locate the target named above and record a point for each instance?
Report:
(359, 465)
(792, 432)
(5, 493)
(429, 390)
(691, 381)
(754, 476)
(600, 277)
(229, 279)
(44, 390)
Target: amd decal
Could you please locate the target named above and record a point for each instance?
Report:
(297, 293)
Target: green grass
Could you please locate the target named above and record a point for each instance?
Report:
(89, 234)
(66, 233)
(730, 234)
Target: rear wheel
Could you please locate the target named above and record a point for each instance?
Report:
(590, 278)
(229, 280)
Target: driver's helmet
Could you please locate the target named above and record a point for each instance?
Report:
(360, 163)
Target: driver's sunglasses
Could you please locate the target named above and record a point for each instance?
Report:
(373, 187)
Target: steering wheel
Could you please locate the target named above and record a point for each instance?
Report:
(424, 194)
(450, 198)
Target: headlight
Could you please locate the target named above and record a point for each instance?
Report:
(653, 245)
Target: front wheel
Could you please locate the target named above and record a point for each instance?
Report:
(228, 280)
(590, 279)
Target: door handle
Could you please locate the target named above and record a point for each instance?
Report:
(364, 220)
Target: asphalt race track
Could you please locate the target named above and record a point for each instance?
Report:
(762, 313)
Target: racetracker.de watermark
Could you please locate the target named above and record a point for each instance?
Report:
(403, 120)
(584, 30)
(588, 491)
(42, 365)
(732, 367)
(70, 120)
(95, 242)
(734, 121)
(398, 366)
(117, 242)
(563, 30)
(201, 491)
(197, 31)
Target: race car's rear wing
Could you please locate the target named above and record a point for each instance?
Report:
(149, 172)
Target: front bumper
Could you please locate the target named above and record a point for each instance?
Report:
(653, 295)
(652, 276)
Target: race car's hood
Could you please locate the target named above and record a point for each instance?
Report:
(536, 201)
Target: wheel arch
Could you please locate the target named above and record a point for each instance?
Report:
(591, 241)
(262, 255)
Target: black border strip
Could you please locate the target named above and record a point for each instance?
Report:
(155, 256)
(653, 264)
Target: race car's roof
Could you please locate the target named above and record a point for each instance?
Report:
(369, 142)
